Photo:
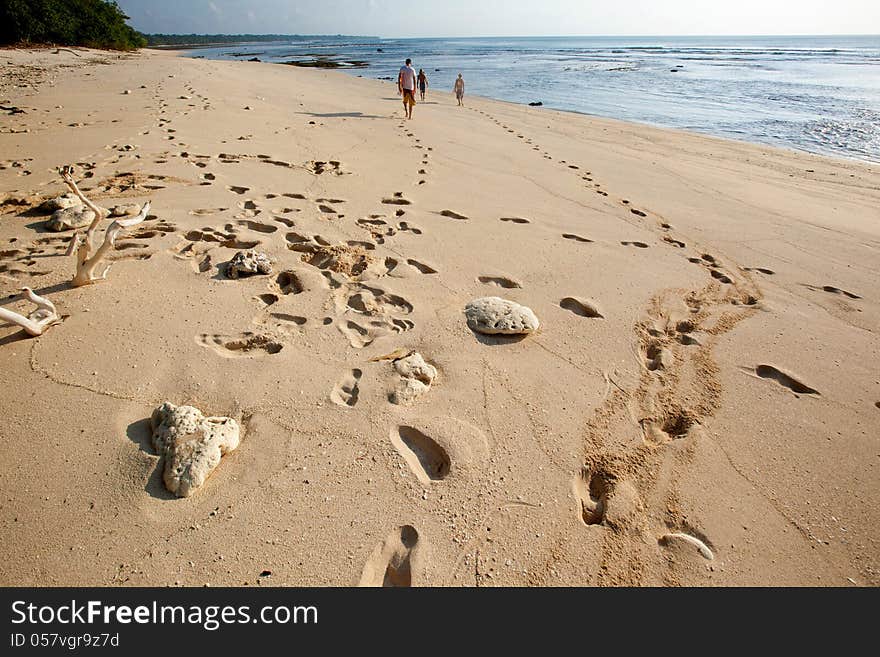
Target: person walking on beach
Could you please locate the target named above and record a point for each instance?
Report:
(423, 83)
(406, 85)
(459, 90)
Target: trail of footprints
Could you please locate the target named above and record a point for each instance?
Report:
(367, 311)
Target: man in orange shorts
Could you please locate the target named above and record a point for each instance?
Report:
(406, 84)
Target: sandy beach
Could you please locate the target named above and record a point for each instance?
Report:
(700, 405)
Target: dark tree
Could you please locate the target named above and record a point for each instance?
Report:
(91, 23)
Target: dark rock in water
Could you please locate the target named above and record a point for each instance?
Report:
(327, 63)
(254, 59)
(537, 104)
(379, 50)
(436, 70)
(386, 78)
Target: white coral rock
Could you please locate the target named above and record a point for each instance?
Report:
(77, 216)
(417, 377)
(191, 444)
(415, 367)
(494, 315)
(130, 210)
(68, 200)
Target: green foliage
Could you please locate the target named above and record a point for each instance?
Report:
(91, 23)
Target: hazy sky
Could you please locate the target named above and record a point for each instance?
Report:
(402, 18)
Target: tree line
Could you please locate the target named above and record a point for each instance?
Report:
(211, 39)
(89, 23)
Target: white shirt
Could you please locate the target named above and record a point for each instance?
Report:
(408, 77)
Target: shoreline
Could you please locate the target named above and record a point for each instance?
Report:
(702, 367)
(813, 128)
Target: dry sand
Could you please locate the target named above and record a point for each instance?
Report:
(731, 279)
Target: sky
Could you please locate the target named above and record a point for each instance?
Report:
(450, 18)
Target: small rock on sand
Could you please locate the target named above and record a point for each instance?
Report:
(62, 202)
(130, 210)
(408, 391)
(494, 316)
(248, 263)
(78, 216)
(415, 367)
(417, 377)
(191, 445)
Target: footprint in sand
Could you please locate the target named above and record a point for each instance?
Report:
(674, 242)
(657, 357)
(590, 492)
(397, 199)
(368, 246)
(427, 459)
(581, 307)
(258, 226)
(146, 232)
(422, 267)
(676, 425)
(393, 561)
(345, 392)
(289, 283)
(453, 215)
(283, 220)
(783, 379)
(500, 281)
(283, 319)
(371, 301)
(201, 212)
(576, 238)
(638, 213)
(833, 290)
(238, 190)
(242, 345)
(267, 299)
(760, 270)
(640, 245)
(721, 276)
(516, 220)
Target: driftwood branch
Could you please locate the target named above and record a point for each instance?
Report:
(88, 257)
(39, 320)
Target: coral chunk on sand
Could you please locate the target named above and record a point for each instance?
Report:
(248, 263)
(68, 200)
(417, 377)
(77, 216)
(494, 315)
(191, 445)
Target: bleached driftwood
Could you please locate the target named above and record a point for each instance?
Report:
(39, 320)
(87, 256)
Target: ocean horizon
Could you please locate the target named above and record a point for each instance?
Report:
(819, 94)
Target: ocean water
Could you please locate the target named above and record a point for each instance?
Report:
(818, 94)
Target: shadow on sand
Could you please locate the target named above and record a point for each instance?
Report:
(141, 434)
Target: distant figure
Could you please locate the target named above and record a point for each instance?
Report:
(423, 83)
(406, 85)
(459, 90)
